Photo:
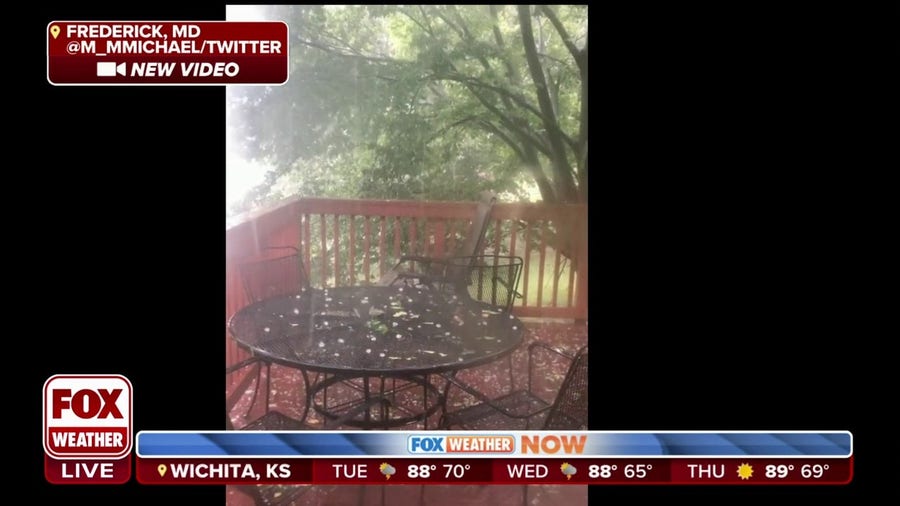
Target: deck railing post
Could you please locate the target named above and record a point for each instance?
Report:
(312, 224)
(581, 265)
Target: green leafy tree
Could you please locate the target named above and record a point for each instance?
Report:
(424, 101)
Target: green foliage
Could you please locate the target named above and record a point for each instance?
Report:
(417, 102)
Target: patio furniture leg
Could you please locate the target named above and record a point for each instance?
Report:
(268, 383)
(258, 384)
(425, 404)
(306, 393)
(383, 412)
(367, 416)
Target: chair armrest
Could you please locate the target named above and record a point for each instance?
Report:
(515, 293)
(428, 261)
(428, 271)
(539, 346)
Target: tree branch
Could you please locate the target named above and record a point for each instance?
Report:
(487, 125)
(354, 53)
(512, 124)
(563, 170)
(511, 71)
(506, 96)
(455, 124)
(529, 160)
(567, 40)
(414, 20)
(468, 80)
(450, 24)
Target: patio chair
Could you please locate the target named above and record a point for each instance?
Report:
(274, 420)
(278, 271)
(262, 495)
(527, 408)
(493, 279)
(416, 270)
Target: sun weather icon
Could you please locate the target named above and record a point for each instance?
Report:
(745, 471)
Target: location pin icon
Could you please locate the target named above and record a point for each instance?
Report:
(162, 470)
(54, 31)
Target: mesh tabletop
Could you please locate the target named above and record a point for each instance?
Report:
(376, 330)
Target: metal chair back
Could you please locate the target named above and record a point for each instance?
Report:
(487, 278)
(417, 269)
(570, 408)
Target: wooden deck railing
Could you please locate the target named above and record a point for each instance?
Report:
(353, 242)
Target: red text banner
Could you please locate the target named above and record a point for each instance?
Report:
(223, 471)
(498, 471)
(167, 52)
(87, 471)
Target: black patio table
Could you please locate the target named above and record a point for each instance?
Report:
(376, 332)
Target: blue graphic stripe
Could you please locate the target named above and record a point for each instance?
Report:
(733, 444)
(697, 444)
(625, 444)
(259, 443)
(395, 443)
(842, 440)
(761, 444)
(371, 444)
(816, 444)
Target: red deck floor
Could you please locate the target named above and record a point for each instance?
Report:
(491, 378)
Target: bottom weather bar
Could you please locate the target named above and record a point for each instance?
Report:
(515, 457)
(499, 471)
